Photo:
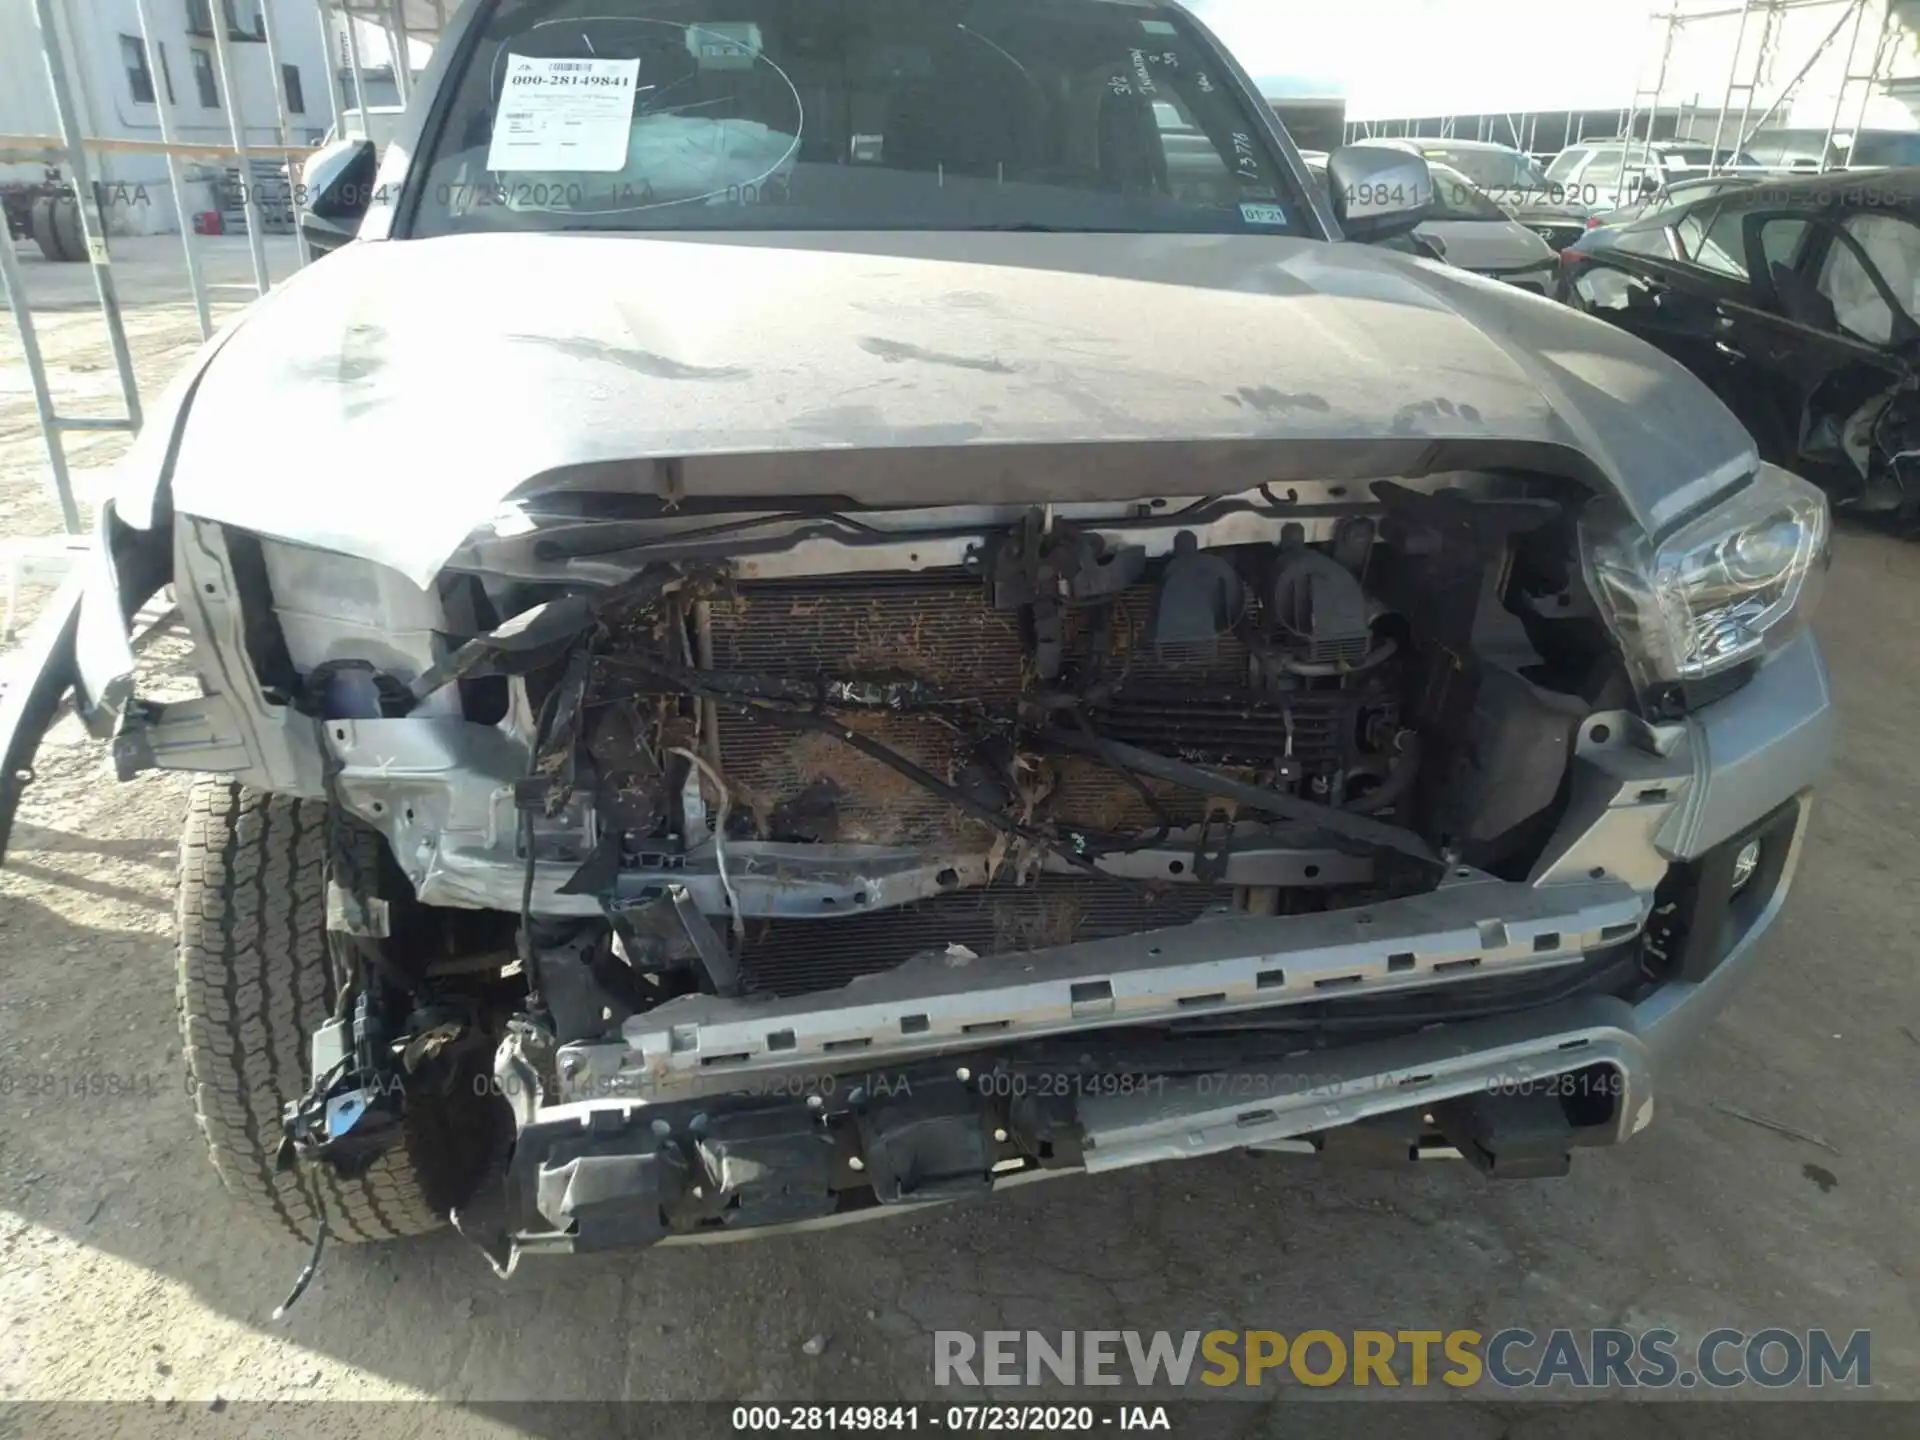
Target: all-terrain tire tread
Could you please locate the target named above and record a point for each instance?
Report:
(254, 976)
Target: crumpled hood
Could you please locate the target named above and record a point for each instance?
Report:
(387, 400)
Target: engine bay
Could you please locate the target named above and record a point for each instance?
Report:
(780, 782)
(770, 790)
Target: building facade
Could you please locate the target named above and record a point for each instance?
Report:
(119, 91)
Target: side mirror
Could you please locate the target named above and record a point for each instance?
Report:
(1649, 186)
(336, 187)
(1378, 193)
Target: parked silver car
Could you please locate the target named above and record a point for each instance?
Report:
(819, 659)
(1514, 180)
(1464, 227)
(1607, 174)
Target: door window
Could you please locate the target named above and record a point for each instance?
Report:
(1710, 237)
(1780, 240)
(1651, 241)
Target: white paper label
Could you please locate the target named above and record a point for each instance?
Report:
(564, 114)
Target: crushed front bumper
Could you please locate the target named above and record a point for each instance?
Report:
(1513, 1093)
(591, 1176)
(711, 1119)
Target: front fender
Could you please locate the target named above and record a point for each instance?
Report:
(80, 644)
(126, 568)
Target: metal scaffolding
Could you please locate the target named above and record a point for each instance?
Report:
(1745, 98)
(1749, 69)
(400, 20)
(47, 559)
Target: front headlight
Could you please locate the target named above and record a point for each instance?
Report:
(1720, 590)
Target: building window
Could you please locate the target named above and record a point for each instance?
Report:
(166, 73)
(200, 21)
(204, 78)
(133, 55)
(296, 100)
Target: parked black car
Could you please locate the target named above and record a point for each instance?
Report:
(1796, 300)
(1686, 190)
(1647, 224)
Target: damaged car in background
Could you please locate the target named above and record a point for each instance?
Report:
(936, 651)
(1798, 302)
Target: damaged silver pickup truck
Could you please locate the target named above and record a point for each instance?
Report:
(919, 610)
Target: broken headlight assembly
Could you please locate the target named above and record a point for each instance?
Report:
(1719, 591)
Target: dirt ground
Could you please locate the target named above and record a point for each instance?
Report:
(125, 1274)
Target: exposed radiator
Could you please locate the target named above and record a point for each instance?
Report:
(1192, 701)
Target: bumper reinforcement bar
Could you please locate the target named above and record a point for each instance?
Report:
(1472, 926)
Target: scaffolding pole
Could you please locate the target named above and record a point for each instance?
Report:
(321, 12)
(1881, 49)
(395, 24)
(1840, 91)
(176, 174)
(237, 127)
(1769, 33)
(1747, 132)
(1630, 125)
(93, 221)
(277, 75)
(50, 423)
(359, 73)
(1726, 97)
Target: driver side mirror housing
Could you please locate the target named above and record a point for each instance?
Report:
(1378, 193)
(338, 184)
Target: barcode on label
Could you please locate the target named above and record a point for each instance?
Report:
(562, 66)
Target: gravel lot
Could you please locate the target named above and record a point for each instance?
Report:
(124, 1274)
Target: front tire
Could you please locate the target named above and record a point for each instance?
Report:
(255, 975)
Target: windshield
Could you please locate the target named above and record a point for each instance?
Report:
(1700, 157)
(1500, 171)
(850, 114)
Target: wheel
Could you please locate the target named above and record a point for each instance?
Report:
(40, 221)
(255, 975)
(66, 228)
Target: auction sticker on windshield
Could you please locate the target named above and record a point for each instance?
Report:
(564, 114)
(1255, 214)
